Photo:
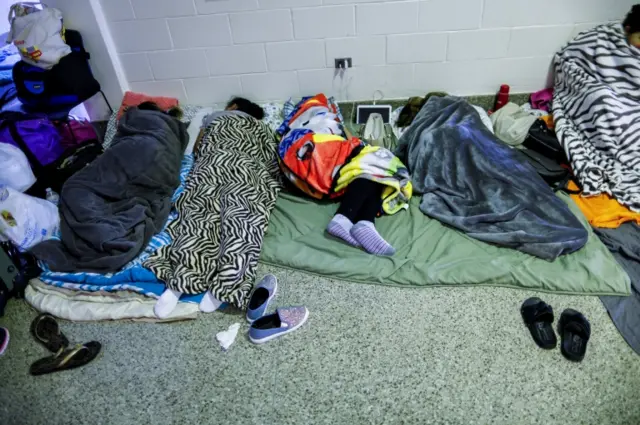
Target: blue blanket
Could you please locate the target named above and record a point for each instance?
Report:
(132, 277)
(8, 57)
(473, 182)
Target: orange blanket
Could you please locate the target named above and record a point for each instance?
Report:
(603, 210)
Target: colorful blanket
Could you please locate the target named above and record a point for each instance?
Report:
(318, 158)
(382, 166)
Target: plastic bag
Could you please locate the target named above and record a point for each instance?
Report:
(37, 32)
(15, 170)
(26, 221)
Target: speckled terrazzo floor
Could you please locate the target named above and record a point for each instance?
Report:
(367, 355)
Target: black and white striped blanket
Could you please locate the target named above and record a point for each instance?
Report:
(596, 108)
(223, 212)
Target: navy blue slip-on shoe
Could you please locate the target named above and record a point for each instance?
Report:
(283, 321)
(261, 297)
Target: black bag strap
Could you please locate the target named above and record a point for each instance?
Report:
(562, 185)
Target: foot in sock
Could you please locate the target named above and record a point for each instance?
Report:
(366, 234)
(340, 227)
(209, 303)
(166, 303)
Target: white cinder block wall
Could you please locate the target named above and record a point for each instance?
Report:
(204, 51)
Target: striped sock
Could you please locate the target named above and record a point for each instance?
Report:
(340, 227)
(366, 234)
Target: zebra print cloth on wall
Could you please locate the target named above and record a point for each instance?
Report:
(223, 212)
(596, 108)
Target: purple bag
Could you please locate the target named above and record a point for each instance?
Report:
(76, 132)
(40, 136)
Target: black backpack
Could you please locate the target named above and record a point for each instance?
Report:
(543, 151)
(69, 83)
(16, 269)
(54, 175)
(544, 141)
(549, 169)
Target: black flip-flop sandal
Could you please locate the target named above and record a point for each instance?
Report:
(71, 358)
(4, 340)
(538, 316)
(575, 332)
(45, 330)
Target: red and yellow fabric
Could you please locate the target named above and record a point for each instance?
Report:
(318, 160)
(312, 161)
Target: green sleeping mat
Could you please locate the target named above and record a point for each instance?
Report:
(430, 254)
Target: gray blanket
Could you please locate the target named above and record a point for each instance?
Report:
(624, 243)
(472, 181)
(110, 209)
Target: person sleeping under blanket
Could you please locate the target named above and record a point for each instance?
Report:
(110, 209)
(475, 183)
(596, 109)
(223, 212)
(170, 297)
(318, 160)
(236, 106)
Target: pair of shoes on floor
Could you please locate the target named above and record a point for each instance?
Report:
(573, 327)
(267, 327)
(45, 330)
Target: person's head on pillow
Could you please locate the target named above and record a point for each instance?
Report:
(246, 106)
(175, 112)
(632, 26)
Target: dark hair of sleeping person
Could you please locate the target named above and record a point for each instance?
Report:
(246, 106)
(152, 106)
(631, 25)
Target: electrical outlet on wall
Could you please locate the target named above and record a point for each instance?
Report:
(343, 63)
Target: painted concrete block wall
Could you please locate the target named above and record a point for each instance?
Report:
(204, 51)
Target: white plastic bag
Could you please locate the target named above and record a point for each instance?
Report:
(37, 33)
(15, 170)
(24, 220)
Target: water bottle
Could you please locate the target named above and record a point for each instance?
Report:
(52, 196)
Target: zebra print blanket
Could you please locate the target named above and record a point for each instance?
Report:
(223, 212)
(596, 108)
